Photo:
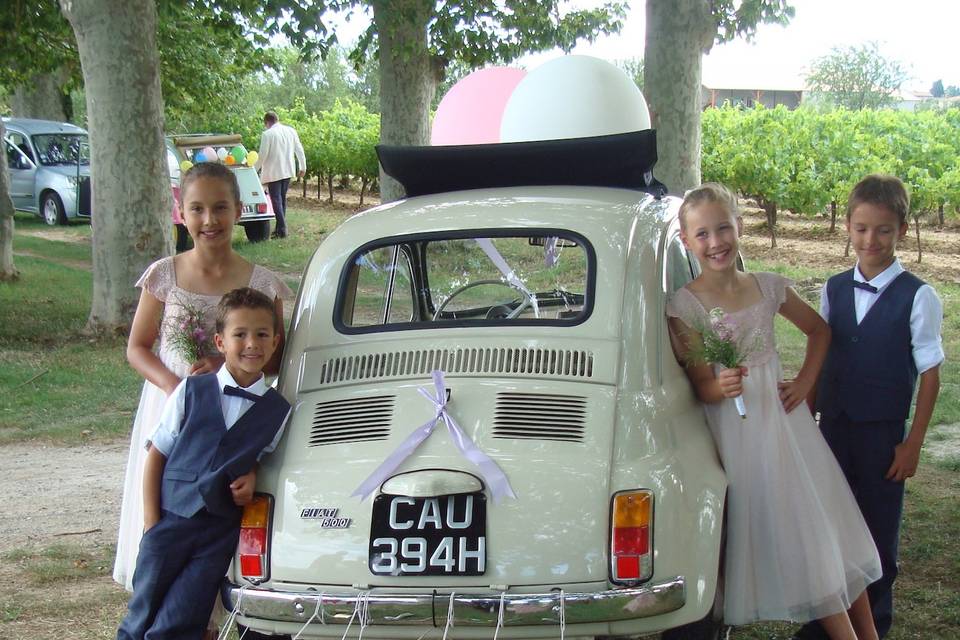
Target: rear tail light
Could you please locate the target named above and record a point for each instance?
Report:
(262, 207)
(631, 537)
(253, 549)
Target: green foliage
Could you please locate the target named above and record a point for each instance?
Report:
(740, 18)
(634, 69)
(936, 90)
(803, 160)
(857, 77)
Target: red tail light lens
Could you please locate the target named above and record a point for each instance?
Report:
(262, 207)
(631, 527)
(253, 549)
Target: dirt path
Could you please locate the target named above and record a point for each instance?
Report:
(60, 494)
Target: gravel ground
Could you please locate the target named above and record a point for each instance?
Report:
(60, 494)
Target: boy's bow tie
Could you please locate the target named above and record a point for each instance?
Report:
(240, 393)
(865, 286)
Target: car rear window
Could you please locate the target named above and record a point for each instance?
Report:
(478, 278)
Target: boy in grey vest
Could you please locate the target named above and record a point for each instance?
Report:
(213, 429)
(886, 334)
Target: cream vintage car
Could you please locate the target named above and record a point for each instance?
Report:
(491, 435)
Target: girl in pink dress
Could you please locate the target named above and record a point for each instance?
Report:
(193, 280)
(797, 547)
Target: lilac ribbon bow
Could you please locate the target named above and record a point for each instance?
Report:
(491, 472)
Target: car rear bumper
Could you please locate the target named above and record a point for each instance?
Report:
(469, 609)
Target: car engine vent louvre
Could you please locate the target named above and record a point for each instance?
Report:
(540, 416)
(352, 420)
(563, 363)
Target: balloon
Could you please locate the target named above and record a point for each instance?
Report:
(472, 111)
(573, 97)
(209, 154)
(229, 161)
(199, 156)
(185, 166)
(252, 158)
(221, 154)
(238, 153)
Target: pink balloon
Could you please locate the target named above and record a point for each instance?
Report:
(209, 154)
(471, 111)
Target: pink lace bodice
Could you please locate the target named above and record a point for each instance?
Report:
(752, 326)
(160, 279)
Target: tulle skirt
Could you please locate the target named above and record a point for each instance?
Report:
(797, 546)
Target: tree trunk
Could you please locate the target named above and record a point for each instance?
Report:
(916, 224)
(320, 182)
(833, 216)
(408, 79)
(117, 43)
(846, 251)
(770, 208)
(940, 215)
(363, 188)
(672, 85)
(43, 97)
(8, 272)
(304, 178)
(330, 187)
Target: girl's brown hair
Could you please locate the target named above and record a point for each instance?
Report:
(213, 170)
(713, 192)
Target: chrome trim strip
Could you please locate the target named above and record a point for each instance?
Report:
(519, 609)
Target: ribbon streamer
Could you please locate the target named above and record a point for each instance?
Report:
(551, 252)
(487, 245)
(491, 473)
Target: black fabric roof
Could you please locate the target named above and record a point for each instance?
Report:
(622, 160)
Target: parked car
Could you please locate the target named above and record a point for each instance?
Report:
(514, 303)
(49, 167)
(257, 209)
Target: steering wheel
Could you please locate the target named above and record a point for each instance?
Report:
(524, 303)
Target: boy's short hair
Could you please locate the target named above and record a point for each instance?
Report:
(270, 117)
(708, 192)
(245, 298)
(882, 190)
(213, 170)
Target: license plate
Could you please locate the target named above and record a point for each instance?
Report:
(437, 536)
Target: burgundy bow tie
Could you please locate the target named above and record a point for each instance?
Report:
(240, 393)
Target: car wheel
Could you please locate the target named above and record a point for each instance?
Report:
(181, 237)
(257, 231)
(51, 208)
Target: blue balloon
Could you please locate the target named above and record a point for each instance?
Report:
(199, 157)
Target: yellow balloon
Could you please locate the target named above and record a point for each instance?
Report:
(185, 165)
(252, 158)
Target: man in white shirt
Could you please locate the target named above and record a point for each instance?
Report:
(280, 157)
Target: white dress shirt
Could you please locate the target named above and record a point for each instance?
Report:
(926, 315)
(280, 155)
(165, 435)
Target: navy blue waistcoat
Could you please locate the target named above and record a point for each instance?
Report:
(869, 373)
(206, 456)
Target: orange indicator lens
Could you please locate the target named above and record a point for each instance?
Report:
(256, 513)
(632, 509)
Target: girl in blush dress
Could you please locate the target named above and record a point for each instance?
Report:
(797, 547)
(171, 289)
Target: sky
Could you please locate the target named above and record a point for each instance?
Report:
(918, 33)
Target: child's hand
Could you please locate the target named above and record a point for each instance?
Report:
(149, 522)
(242, 488)
(906, 457)
(731, 381)
(792, 393)
(206, 364)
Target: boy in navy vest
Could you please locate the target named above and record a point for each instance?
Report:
(886, 333)
(213, 429)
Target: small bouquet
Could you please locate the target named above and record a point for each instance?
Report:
(722, 346)
(187, 334)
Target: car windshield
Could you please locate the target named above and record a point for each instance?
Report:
(525, 278)
(62, 148)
